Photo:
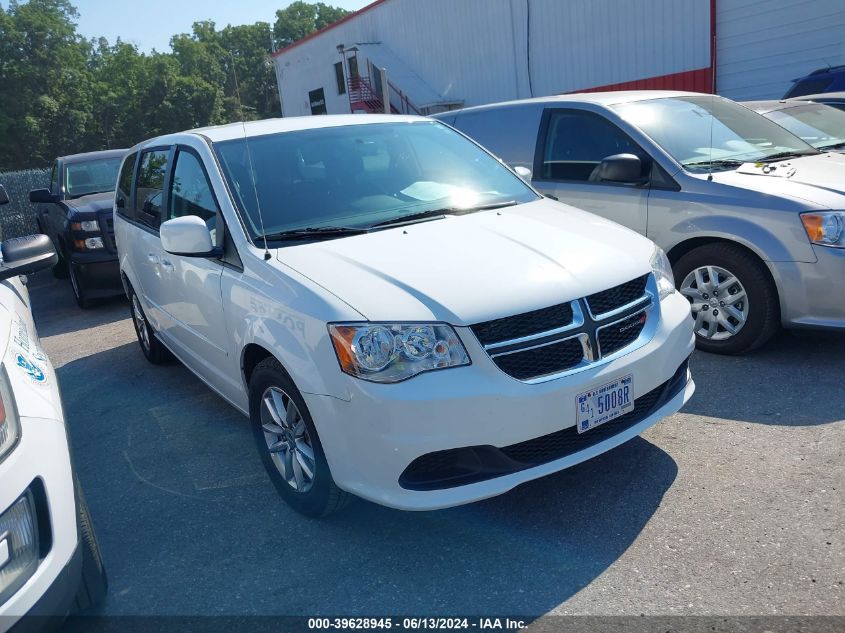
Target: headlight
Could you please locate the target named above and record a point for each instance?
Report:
(391, 352)
(826, 228)
(91, 226)
(662, 270)
(89, 244)
(10, 429)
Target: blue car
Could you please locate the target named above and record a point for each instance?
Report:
(830, 79)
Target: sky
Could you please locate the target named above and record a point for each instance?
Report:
(149, 24)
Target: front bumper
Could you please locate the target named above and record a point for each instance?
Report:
(811, 294)
(99, 273)
(42, 460)
(370, 440)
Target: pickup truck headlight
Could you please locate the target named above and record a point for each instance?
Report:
(825, 228)
(392, 352)
(90, 226)
(10, 429)
(662, 270)
(89, 244)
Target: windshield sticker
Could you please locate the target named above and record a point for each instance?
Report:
(30, 368)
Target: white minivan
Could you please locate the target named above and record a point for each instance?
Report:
(400, 315)
(50, 562)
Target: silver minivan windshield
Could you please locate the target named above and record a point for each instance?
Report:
(684, 127)
(821, 126)
(356, 177)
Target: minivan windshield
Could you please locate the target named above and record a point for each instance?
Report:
(91, 176)
(821, 126)
(708, 132)
(360, 176)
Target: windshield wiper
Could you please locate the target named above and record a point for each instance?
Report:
(315, 232)
(435, 214)
(826, 148)
(727, 163)
(773, 158)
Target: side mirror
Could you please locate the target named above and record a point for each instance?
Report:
(26, 255)
(4, 197)
(187, 236)
(624, 168)
(44, 196)
(523, 172)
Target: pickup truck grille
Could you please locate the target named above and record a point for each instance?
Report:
(546, 343)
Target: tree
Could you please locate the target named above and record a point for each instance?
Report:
(300, 19)
(45, 107)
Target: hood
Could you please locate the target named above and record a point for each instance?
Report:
(818, 179)
(91, 204)
(475, 267)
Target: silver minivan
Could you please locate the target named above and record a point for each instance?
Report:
(750, 215)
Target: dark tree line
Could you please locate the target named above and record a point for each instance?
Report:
(61, 93)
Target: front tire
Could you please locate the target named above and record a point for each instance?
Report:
(154, 351)
(288, 443)
(733, 298)
(94, 583)
(78, 287)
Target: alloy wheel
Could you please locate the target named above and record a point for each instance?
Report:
(288, 440)
(140, 323)
(718, 300)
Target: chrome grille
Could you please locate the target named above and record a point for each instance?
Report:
(549, 342)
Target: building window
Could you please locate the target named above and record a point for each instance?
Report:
(341, 80)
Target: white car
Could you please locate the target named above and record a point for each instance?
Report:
(49, 560)
(400, 315)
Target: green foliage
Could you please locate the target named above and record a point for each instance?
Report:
(63, 94)
(300, 19)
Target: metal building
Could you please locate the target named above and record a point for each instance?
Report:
(441, 54)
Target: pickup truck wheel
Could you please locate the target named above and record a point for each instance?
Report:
(733, 299)
(78, 288)
(288, 443)
(60, 270)
(94, 584)
(153, 349)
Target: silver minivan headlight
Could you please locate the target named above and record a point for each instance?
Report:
(10, 429)
(826, 228)
(662, 270)
(392, 352)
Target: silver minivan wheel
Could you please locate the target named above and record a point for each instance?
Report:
(140, 323)
(718, 300)
(288, 440)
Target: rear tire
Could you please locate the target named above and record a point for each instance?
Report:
(94, 583)
(717, 274)
(153, 349)
(315, 496)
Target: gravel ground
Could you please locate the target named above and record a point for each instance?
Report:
(732, 507)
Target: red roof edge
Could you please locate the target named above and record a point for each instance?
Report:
(352, 15)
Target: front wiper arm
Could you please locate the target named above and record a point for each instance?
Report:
(784, 155)
(436, 214)
(826, 148)
(315, 232)
(725, 162)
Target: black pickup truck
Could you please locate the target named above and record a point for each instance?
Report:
(76, 213)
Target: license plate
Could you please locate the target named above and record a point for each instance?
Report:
(602, 404)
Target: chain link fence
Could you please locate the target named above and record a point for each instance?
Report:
(18, 217)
